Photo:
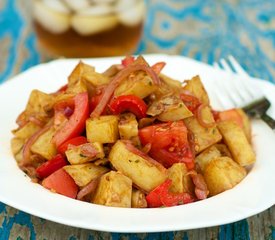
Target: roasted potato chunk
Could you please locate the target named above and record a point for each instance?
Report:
(43, 146)
(128, 126)
(181, 181)
(196, 87)
(17, 148)
(103, 129)
(172, 83)
(140, 85)
(20, 137)
(114, 189)
(169, 108)
(223, 149)
(238, 116)
(86, 72)
(26, 131)
(85, 153)
(222, 174)
(246, 124)
(84, 173)
(145, 172)
(204, 136)
(138, 199)
(39, 102)
(206, 156)
(237, 143)
(79, 87)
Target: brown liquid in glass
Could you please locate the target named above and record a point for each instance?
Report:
(120, 40)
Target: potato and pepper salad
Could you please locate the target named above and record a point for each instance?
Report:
(131, 137)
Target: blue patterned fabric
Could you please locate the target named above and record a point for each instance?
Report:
(205, 30)
(208, 30)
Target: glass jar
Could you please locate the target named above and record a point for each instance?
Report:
(88, 28)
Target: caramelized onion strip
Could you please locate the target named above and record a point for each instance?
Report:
(200, 117)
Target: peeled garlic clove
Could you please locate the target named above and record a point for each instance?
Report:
(86, 25)
(57, 5)
(53, 21)
(77, 5)
(133, 15)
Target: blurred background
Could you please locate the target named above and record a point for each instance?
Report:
(205, 30)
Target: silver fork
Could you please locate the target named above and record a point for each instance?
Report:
(242, 92)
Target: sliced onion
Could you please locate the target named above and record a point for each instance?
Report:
(138, 152)
(134, 150)
(109, 90)
(21, 119)
(199, 182)
(31, 172)
(36, 121)
(88, 150)
(68, 112)
(192, 141)
(201, 194)
(146, 149)
(200, 118)
(157, 67)
(201, 190)
(27, 146)
(89, 188)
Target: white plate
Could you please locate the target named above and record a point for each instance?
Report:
(253, 195)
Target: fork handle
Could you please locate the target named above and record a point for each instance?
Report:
(268, 120)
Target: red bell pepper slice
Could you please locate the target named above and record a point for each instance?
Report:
(74, 141)
(127, 61)
(51, 166)
(76, 124)
(160, 196)
(61, 182)
(129, 103)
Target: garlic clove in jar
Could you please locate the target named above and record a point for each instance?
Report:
(77, 5)
(87, 24)
(130, 14)
(52, 20)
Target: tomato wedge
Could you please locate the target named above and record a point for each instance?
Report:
(160, 196)
(169, 143)
(61, 182)
(127, 61)
(73, 141)
(51, 166)
(129, 103)
(76, 123)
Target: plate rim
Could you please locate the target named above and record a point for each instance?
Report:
(111, 228)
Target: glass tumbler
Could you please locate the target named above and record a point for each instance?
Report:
(88, 28)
